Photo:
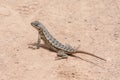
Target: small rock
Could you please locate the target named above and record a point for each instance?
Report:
(4, 11)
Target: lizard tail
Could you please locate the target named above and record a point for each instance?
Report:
(83, 52)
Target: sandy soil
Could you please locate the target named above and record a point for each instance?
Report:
(92, 24)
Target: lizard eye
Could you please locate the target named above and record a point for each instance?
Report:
(36, 24)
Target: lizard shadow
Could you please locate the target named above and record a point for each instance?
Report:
(33, 47)
(71, 55)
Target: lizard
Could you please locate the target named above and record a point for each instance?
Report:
(62, 50)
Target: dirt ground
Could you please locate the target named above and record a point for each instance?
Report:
(92, 24)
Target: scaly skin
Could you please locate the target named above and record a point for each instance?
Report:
(62, 50)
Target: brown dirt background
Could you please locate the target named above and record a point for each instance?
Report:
(92, 24)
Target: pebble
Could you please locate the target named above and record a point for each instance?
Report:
(4, 11)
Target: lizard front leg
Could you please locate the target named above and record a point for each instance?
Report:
(38, 41)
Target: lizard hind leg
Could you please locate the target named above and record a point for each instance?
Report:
(61, 55)
(69, 48)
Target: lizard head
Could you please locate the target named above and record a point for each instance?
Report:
(37, 25)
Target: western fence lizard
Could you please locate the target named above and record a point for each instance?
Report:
(62, 50)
